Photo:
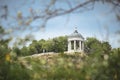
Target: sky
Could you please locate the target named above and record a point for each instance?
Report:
(93, 23)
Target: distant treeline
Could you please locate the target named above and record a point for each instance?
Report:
(59, 45)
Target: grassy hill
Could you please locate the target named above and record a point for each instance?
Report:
(73, 66)
(61, 66)
(54, 66)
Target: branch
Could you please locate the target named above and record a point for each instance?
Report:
(71, 9)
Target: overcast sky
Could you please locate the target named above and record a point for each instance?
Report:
(93, 23)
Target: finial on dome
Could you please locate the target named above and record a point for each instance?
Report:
(75, 30)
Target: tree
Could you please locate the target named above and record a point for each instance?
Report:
(108, 68)
(17, 51)
(93, 45)
(4, 49)
(60, 44)
(106, 47)
(10, 69)
(25, 51)
(32, 50)
(4, 59)
(47, 11)
(97, 48)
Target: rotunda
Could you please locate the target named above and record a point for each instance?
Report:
(75, 42)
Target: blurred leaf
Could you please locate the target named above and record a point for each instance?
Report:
(19, 15)
(118, 17)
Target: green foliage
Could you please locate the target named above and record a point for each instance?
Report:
(17, 51)
(58, 44)
(18, 72)
(13, 71)
(1, 30)
(106, 47)
(66, 67)
(9, 69)
(95, 46)
(101, 63)
(73, 67)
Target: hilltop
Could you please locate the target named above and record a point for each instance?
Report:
(52, 64)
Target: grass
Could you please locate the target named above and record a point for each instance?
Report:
(54, 66)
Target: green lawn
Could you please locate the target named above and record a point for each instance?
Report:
(54, 66)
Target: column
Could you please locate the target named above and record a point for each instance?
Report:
(83, 46)
(69, 46)
(80, 45)
(75, 45)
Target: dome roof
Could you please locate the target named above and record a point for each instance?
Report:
(75, 34)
